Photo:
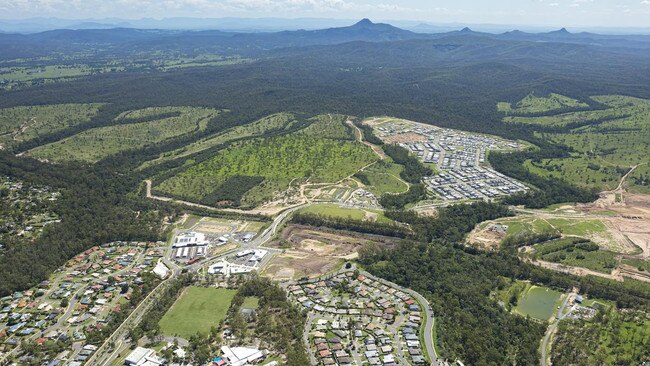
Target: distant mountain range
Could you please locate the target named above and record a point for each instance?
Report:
(249, 25)
(123, 41)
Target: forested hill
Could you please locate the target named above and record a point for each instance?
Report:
(454, 81)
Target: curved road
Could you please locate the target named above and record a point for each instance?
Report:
(551, 329)
(428, 325)
(430, 320)
(104, 357)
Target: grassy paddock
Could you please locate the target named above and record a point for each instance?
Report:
(334, 210)
(196, 310)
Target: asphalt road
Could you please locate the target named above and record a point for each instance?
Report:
(430, 322)
(119, 337)
(428, 325)
(72, 303)
(551, 328)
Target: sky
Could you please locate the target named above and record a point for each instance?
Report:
(565, 13)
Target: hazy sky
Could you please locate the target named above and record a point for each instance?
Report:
(608, 13)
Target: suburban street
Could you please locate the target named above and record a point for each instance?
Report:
(104, 356)
(394, 328)
(430, 321)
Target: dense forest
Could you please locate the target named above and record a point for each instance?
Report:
(95, 207)
(414, 170)
(416, 193)
(362, 226)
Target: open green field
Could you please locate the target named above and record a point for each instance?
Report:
(563, 119)
(578, 227)
(20, 124)
(605, 143)
(331, 126)
(385, 178)
(44, 72)
(523, 225)
(334, 210)
(640, 264)
(538, 302)
(277, 160)
(251, 302)
(592, 229)
(206, 60)
(259, 128)
(128, 134)
(578, 170)
(191, 221)
(533, 104)
(197, 310)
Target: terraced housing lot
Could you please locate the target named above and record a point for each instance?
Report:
(459, 157)
(356, 320)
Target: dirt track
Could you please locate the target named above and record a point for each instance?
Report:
(312, 252)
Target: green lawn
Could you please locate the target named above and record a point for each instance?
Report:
(334, 210)
(538, 302)
(197, 310)
(251, 302)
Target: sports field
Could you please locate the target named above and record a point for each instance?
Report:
(538, 302)
(196, 310)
